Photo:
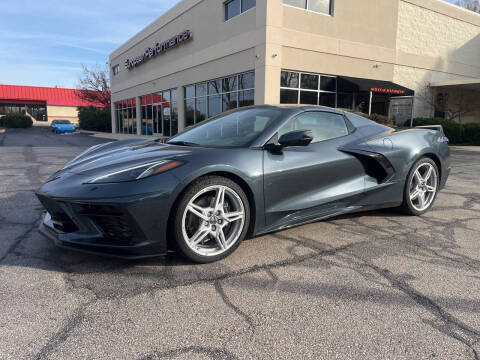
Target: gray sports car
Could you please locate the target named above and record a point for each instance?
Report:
(243, 173)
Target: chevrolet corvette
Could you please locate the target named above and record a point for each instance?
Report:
(244, 173)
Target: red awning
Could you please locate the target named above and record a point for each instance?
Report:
(51, 96)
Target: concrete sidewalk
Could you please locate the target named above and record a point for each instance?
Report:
(466, 148)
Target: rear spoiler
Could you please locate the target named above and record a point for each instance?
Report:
(439, 128)
(432, 127)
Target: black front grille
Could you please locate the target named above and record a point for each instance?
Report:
(59, 211)
(116, 224)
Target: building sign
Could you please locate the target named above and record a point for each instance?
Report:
(158, 48)
(388, 91)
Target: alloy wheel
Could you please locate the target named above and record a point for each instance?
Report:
(423, 186)
(213, 220)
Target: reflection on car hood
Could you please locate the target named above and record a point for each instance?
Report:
(65, 126)
(118, 157)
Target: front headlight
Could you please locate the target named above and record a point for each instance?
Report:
(136, 172)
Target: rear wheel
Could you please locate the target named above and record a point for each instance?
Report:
(421, 187)
(211, 219)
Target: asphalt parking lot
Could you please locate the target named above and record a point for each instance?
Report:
(368, 286)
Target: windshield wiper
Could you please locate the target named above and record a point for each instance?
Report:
(182, 143)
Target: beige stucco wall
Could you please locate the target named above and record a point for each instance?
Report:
(436, 42)
(62, 112)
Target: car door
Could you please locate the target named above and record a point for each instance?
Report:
(305, 183)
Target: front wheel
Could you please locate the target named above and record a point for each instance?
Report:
(211, 219)
(421, 187)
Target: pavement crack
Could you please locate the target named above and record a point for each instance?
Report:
(74, 320)
(18, 240)
(226, 300)
(452, 326)
(211, 352)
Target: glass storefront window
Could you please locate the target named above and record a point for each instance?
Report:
(309, 97)
(327, 99)
(288, 96)
(159, 114)
(189, 91)
(246, 98)
(37, 111)
(309, 81)
(214, 105)
(201, 89)
(315, 89)
(247, 80)
(230, 84)
(345, 101)
(214, 87)
(190, 112)
(289, 79)
(328, 83)
(229, 101)
(215, 96)
(201, 109)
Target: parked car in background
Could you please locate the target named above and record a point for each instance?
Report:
(62, 126)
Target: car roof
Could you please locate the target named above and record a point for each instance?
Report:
(293, 108)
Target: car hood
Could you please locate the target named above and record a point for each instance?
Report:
(65, 126)
(122, 156)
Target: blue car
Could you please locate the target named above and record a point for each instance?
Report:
(62, 126)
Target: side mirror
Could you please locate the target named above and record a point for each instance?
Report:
(296, 138)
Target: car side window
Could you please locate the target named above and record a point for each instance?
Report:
(323, 125)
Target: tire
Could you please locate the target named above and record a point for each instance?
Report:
(420, 189)
(206, 230)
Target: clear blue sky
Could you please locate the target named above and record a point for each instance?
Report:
(44, 43)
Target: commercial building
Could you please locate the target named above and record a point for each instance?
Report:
(42, 104)
(390, 57)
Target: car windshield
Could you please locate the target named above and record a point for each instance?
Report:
(237, 129)
(62, 122)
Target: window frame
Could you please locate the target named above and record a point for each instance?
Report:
(240, 12)
(318, 90)
(349, 126)
(330, 13)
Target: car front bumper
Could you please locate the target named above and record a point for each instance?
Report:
(130, 227)
(93, 245)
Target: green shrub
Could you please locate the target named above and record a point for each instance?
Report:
(94, 119)
(16, 121)
(471, 134)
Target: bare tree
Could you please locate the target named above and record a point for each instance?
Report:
(454, 104)
(473, 5)
(94, 85)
